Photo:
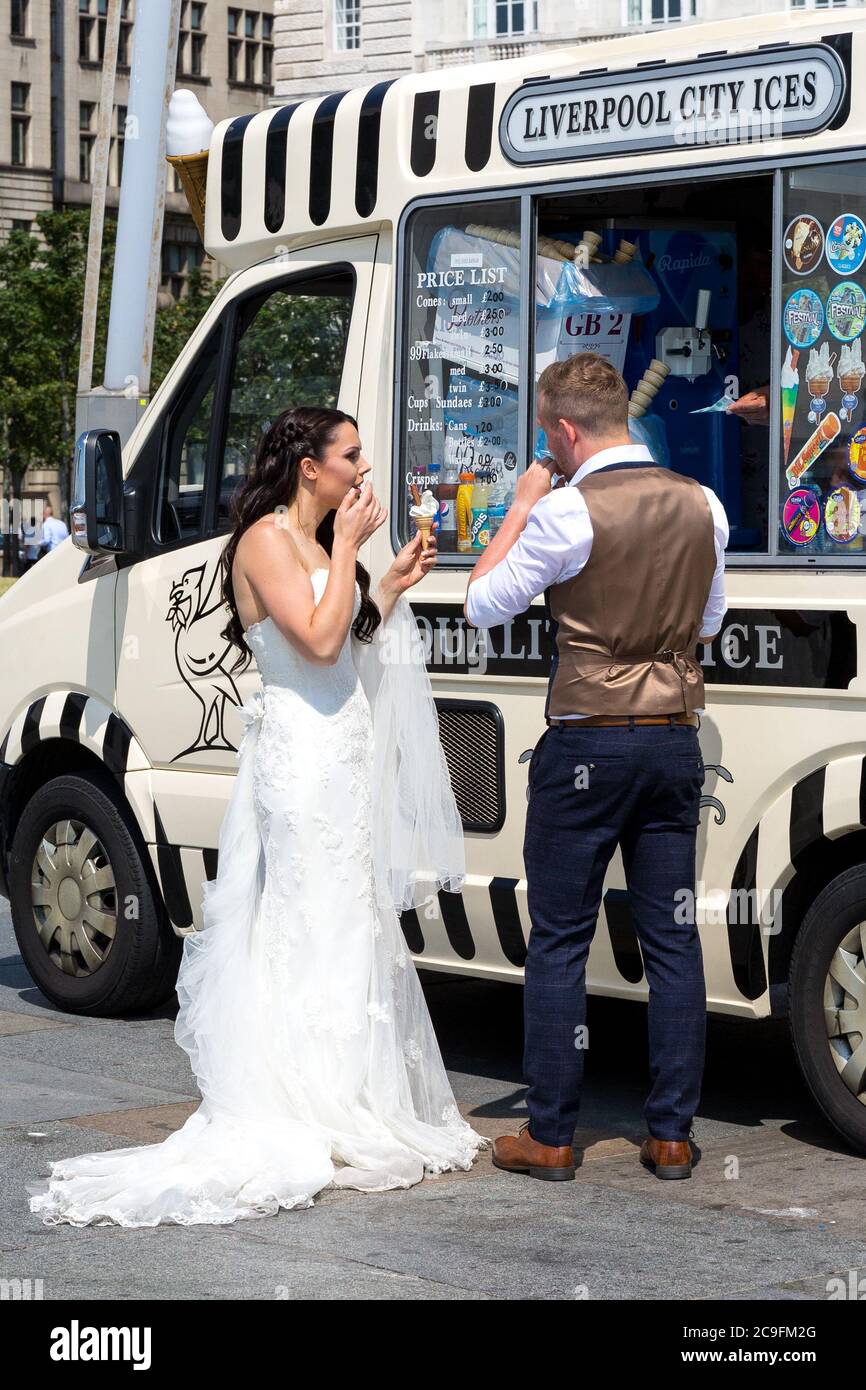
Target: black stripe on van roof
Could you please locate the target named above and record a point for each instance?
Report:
(479, 124)
(232, 175)
(367, 168)
(425, 118)
(276, 147)
(322, 157)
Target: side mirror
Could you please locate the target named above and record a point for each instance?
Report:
(96, 510)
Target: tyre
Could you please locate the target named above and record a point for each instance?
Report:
(88, 920)
(827, 998)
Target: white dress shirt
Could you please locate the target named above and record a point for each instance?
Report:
(555, 544)
(53, 532)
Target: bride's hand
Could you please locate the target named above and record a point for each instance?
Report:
(358, 516)
(412, 563)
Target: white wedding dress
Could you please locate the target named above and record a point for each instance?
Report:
(300, 1007)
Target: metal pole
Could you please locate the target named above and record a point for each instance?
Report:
(99, 180)
(142, 198)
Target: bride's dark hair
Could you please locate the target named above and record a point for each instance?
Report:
(272, 482)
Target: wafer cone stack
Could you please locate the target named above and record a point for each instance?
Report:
(647, 388)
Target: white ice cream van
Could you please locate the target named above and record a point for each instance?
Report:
(694, 208)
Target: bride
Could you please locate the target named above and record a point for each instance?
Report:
(299, 1005)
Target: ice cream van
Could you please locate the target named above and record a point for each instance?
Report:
(693, 207)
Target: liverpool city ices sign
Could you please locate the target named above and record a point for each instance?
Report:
(721, 100)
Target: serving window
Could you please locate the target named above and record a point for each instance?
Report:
(726, 329)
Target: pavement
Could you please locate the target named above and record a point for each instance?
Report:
(774, 1209)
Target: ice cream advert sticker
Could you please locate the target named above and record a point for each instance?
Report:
(846, 311)
(842, 515)
(846, 244)
(803, 244)
(857, 456)
(801, 516)
(803, 318)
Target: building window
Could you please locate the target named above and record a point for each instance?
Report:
(115, 157)
(123, 42)
(502, 18)
(347, 24)
(86, 139)
(823, 4)
(18, 24)
(85, 30)
(643, 12)
(20, 121)
(250, 47)
(191, 47)
(267, 50)
(178, 259)
(102, 21)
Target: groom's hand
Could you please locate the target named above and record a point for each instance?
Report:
(535, 484)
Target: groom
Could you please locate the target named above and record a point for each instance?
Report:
(630, 557)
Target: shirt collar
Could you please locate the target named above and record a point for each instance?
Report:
(620, 453)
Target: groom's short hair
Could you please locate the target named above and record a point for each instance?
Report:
(587, 390)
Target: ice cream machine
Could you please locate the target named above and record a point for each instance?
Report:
(687, 351)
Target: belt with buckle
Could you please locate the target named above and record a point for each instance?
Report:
(619, 720)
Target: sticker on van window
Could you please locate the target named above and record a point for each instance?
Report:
(803, 318)
(846, 244)
(857, 456)
(801, 516)
(846, 311)
(803, 244)
(842, 515)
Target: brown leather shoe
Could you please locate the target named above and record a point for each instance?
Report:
(520, 1153)
(667, 1158)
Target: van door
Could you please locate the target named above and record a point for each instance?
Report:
(291, 333)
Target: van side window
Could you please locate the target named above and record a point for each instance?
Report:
(181, 489)
(291, 348)
(459, 423)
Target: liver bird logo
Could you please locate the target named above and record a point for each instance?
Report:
(203, 656)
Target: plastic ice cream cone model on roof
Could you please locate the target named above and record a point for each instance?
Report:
(188, 131)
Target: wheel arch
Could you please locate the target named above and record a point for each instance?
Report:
(813, 830)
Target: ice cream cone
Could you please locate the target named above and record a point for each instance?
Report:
(192, 169)
(425, 528)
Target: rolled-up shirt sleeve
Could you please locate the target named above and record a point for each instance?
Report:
(716, 605)
(553, 546)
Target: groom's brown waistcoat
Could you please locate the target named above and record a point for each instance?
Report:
(627, 625)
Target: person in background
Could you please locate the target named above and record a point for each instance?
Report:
(53, 530)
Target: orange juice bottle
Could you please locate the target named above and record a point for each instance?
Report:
(464, 511)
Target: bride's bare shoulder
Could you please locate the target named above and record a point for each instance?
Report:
(267, 543)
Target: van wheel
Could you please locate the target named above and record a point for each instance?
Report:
(88, 921)
(827, 996)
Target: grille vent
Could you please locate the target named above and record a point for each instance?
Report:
(473, 739)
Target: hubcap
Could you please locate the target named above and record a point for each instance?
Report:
(845, 1010)
(74, 898)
